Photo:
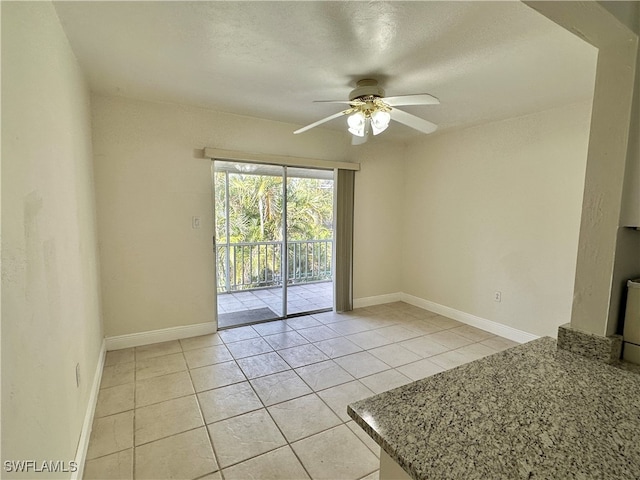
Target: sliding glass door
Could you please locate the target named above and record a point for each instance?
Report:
(274, 241)
(309, 240)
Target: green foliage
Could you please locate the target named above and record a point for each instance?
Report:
(255, 208)
(255, 215)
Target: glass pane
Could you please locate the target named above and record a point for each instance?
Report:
(309, 240)
(251, 253)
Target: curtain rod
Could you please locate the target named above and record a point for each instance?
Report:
(218, 154)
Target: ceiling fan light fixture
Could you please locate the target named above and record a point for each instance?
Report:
(380, 121)
(356, 122)
(370, 112)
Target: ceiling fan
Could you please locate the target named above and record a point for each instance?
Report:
(370, 111)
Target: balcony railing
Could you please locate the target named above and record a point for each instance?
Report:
(251, 265)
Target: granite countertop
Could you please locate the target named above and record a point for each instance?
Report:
(529, 412)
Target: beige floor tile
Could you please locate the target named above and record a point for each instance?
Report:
(337, 347)
(383, 381)
(186, 455)
(444, 322)
(324, 375)
(451, 359)
(349, 327)
(166, 387)
(466, 354)
(361, 364)
(240, 438)
(478, 350)
(421, 369)
(419, 313)
(472, 333)
(379, 322)
(499, 343)
(214, 376)
(369, 339)
(118, 374)
(117, 466)
(271, 328)
(302, 355)
(398, 333)
(158, 350)
(163, 365)
(302, 417)
(285, 340)
(202, 357)
(167, 418)
(115, 357)
(203, 341)
(111, 434)
(303, 322)
(328, 318)
(449, 339)
(424, 346)
(340, 396)
(366, 439)
(375, 321)
(237, 334)
(213, 476)
(335, 454)
(280, 387)
(277, 464)
(229, 401)
(372, 476)
(423, 326)
(395, 355)
(261, 365)
(317, 334)
(247, 348)
(114, 400)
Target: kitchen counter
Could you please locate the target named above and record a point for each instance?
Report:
(529, 412)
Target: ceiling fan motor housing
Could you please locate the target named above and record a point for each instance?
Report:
(365, 88)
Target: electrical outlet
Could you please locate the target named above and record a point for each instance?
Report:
(77, 375)
(195, 222)
(497, 296)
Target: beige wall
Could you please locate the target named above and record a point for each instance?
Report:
(606, 158)
(436, 197)
(497, 208)
(50, 294)
(157, 272)
(627, 257)
(378, 219)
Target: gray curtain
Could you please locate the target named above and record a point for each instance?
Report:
(343, 280)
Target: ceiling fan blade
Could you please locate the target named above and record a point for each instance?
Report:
(417, 99)
(348, 102)
(320, 122)
(412, 121)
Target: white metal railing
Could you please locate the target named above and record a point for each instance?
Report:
(251, 265)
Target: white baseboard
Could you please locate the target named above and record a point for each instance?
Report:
(376, 300)
(162, 335)
(85, 434)
(496, 328)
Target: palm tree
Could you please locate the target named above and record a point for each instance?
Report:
(256, 215)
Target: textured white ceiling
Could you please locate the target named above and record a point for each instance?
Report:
(483, 60)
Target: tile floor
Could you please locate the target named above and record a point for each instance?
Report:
(267, 401)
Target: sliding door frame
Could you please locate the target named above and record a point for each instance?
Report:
(342, 298)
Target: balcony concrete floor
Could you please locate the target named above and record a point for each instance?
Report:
(300, 298)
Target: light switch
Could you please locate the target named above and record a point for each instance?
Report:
(195, 222)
